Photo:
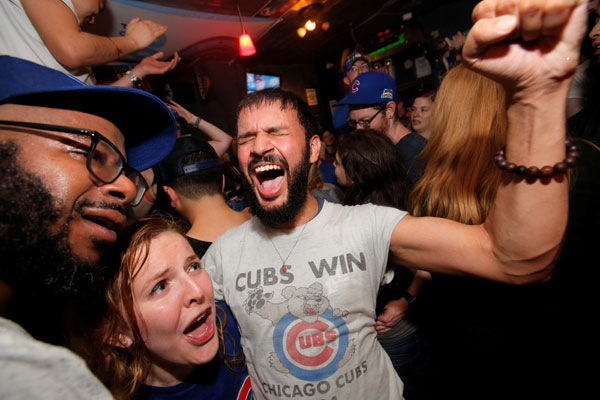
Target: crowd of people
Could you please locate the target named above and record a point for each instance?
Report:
(424, 249)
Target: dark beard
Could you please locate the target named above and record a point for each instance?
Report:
(297, 191)
(34, 260)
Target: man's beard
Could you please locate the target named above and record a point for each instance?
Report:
(296, 193)
(33, 258)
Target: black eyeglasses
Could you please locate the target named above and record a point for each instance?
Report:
(104, 161)
(363, 123)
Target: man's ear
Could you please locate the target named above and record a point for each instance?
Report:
(390, 109)
(223, 183)
(122, 340)
(315, 148)
(346, 80)
(174, 200)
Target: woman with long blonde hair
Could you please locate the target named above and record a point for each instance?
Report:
(468, 127)
(493, 340)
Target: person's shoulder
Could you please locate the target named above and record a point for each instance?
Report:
(39, 370)
(413, 137)
(239, 229)
(345, 211)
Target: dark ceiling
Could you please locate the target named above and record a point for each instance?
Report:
(353, 24)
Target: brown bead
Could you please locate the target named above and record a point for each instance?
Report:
(533, 171)
(547, 171)
(573, 153)
(561, 167)
(571, 161)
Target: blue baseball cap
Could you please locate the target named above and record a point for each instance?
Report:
(352, 58)
(370, 88)
(144, 120)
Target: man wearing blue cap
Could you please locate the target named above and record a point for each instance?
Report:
(70, 156)
(372, 102)
(354, 65)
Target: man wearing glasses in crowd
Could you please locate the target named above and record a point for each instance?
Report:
(372, 104)
(65, 184)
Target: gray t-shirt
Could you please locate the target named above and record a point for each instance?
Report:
(308, 325)
(30, 369)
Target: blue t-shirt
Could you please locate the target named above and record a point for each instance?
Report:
(328, 172)
(212, 380)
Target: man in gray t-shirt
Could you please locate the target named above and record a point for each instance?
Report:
(301, 278)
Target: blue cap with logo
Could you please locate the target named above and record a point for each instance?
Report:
(370, 88)
(144, 120)
(351, 59)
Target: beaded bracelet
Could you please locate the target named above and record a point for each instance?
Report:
(547, 171)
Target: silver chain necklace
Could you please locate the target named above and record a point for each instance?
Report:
(283, 261)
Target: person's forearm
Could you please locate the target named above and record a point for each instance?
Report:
(528, 220)
(421, 277)
(220, 140)
(124, 81)
(85, 49)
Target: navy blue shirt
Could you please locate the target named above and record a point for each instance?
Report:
(409, 147)
(212, 380)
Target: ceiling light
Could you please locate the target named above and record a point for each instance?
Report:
(310, 25)
(301, 32)
(246, 46)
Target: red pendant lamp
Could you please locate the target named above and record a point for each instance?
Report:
(246, 46)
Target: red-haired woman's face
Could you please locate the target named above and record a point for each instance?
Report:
(175, 308)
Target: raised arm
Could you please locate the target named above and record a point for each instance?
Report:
(531, 47)
(59, 29)
(151, 65)
(219, 139)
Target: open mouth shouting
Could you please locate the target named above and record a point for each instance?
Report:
(201, 330)
(268, 177)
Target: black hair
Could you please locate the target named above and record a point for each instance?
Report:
(287, 100)
(374, 169)
(199, 183)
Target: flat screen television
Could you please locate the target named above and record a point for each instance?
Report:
(256, 82)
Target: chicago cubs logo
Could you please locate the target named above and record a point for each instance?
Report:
(311, 351)
(310, 337)
(355, 85)
(387, 94)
